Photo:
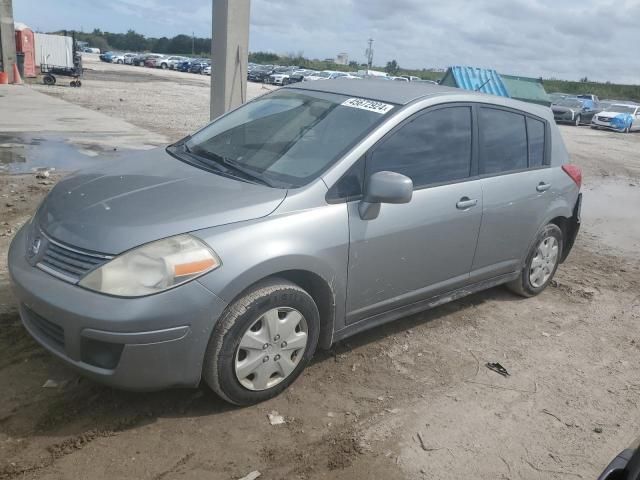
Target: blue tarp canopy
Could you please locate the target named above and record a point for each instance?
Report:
(483, 80)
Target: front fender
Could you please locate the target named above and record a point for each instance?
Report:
(314, 240)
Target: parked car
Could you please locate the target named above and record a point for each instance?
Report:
(626, 465)
(184, 66)
(197, 66)
(619, 117)
(593, 98)
(107, 56)
(574, 111)
(150, 59)
(122, 58)
(170, 62)
(298, 75)
(328, 75)
(207, 70)
(154, 60)
(259, 74)
(139, 59)
(301, 218)
(128, 58)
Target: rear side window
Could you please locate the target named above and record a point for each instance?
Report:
(503, 141)
(433, 148)
(535, 133)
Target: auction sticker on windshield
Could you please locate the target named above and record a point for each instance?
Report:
(369, 105)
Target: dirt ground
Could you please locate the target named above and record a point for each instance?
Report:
(409, 400)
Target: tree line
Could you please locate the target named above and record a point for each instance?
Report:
(189, 45)
(136, 42)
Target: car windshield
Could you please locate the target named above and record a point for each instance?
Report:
(622, 109)
(287, 138)
(569, 102)
(323, 74)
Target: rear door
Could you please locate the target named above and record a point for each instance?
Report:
(514, 154)
(416, 250)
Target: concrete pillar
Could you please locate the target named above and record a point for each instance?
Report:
(7, 38)
(229, 55)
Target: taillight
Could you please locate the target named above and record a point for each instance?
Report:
(575, 172)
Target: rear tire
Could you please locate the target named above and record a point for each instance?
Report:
(49, 80)
(541, 263)
(246, 319)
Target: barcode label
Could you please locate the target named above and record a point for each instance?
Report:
(369, 105)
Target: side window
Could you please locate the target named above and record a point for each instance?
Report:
(535, 133)
(433, 148)
(503, 141)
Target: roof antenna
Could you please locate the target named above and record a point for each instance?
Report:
(480, 87)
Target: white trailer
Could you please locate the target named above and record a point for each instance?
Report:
(53, 50)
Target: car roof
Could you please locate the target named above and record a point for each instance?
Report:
(400, 93)
(403, 93)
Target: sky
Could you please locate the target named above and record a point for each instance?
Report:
(565, 39)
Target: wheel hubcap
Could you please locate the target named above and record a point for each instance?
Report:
(271, 348)
(544, 262)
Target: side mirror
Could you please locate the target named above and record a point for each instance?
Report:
(384, 187)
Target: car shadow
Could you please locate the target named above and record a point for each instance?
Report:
(83, 405)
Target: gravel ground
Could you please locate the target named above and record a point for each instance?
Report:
(409, 400)
(164, 101)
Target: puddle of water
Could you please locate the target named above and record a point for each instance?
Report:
(23, 154)
(611, 210)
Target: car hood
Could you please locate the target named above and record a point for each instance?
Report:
(561, 109)
(611, 114)
(146, 196)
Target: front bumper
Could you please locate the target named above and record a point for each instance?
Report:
(146, 343)
(564, 117)
(601, 124)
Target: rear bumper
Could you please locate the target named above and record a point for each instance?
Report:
(573, 228)
(146, 343)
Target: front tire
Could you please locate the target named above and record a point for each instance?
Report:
(262, 343)
(541, 264)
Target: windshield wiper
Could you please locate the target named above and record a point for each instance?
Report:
(246, 172)
(223, 163)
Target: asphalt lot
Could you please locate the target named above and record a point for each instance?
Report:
(570, 404)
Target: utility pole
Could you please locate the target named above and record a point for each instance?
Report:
(193, 43)
(7, 38)
(229, 55)
(369, 54)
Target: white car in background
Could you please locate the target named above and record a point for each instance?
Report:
(329, 75)
(171, 62)
(127, 58)
(619, 117)
(117, 58)
(206, 70)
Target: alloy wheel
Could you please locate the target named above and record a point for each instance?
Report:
(544, 262)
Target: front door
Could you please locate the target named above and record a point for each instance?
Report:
(416, 250)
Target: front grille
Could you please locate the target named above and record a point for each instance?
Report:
(604, 119)
(69, 263)
(54, 333)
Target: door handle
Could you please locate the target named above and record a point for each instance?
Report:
(543, 187)
(466, 202)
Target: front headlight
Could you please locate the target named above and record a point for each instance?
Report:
(153, 268)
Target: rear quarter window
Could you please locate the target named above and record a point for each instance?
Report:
(536, 135)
